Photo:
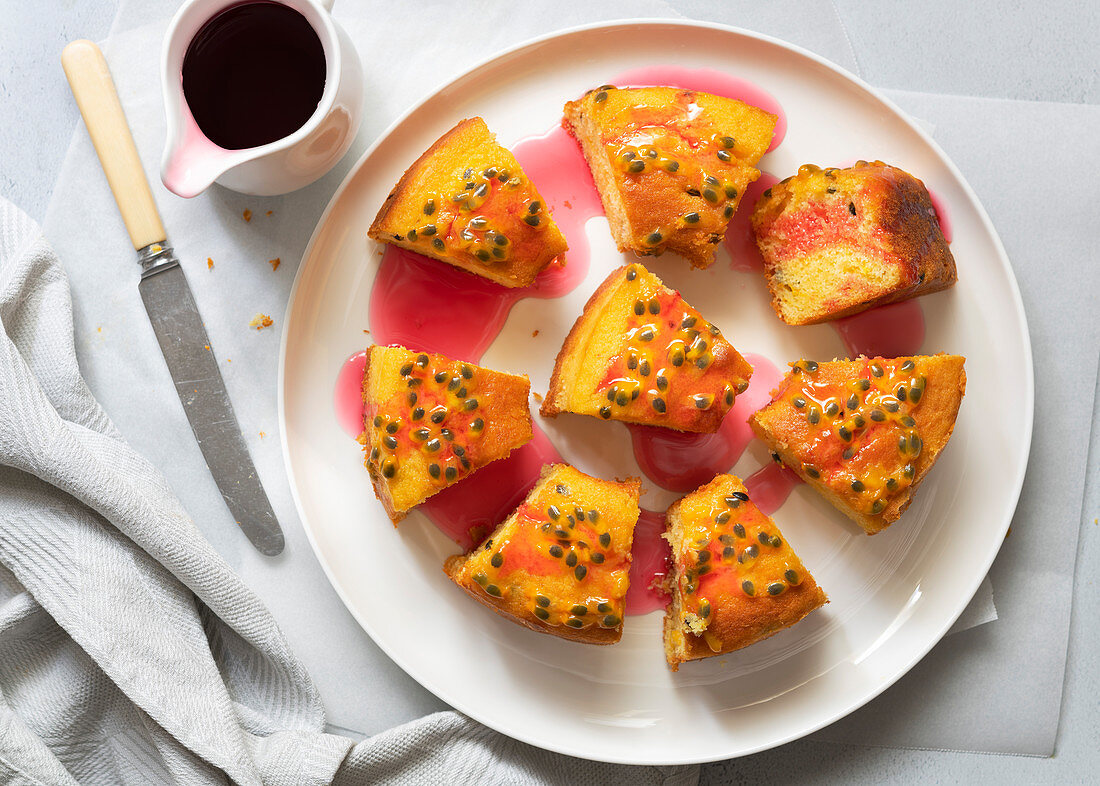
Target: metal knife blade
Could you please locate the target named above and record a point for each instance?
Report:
(191, 361)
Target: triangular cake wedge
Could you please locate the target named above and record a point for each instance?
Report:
(467, 202)
(560, 564)
(640, 354)
(735, 579)
(839, 241)
(864, 433)
(671, 165)
(429, 421)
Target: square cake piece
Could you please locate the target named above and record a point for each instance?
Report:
(560, 564)
(670, 164)
(864, 433)
(735, 579)
(430, 421)
(640, 354)
(467, 202)
(839, 241)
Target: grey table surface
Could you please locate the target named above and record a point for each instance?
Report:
(1029, 51)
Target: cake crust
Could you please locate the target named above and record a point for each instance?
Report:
(837, 241)
(430, 421)
(670, 165)
(735, 579)
(867, 460)
(554, 567)
(467, 202)
(639, 353)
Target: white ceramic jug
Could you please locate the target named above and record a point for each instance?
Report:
(192, 162)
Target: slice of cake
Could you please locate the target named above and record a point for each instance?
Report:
(670, 164)
(735, 579)
(430, 421)
(467, 202)
(640, 354)
(864, 432)
(839, 241)
(561, 563)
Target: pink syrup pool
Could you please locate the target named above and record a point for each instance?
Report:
(740, 242)
(888, 331)
(652, 561)
(681, 462)
(708, 80)
(769, 487)
(469, 511)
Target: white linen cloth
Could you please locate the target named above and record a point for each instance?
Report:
(130, 652)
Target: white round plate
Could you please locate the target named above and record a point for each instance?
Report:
(893, 596)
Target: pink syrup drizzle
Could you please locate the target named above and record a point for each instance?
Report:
(429, 305)
(707, 80)
(889, 331)
(652, 560)
(740, 241)
(770, 486)
(468, 511)
(681, 462)
(944, 217)
(347, 399)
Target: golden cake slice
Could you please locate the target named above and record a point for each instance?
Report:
(467, 202)
(560, 564)
(430, 421)
(864, 432)
(670, 164)
(735, 580)
(839, 241)
(640, 354)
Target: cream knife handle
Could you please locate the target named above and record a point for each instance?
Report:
(94, 90)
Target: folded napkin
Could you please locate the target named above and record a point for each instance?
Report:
(130, 653)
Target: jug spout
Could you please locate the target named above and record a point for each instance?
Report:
(191, 165)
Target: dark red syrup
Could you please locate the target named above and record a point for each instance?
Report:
(253, 74)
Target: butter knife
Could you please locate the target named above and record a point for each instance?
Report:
(168, 301)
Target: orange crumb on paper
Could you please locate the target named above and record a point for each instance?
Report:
(260, 321)
(247, 214)
(209, 263)
(269, 212)
(100, 330)
(262, 435)
(567, 204)
(274, 263)
(534, 333)
(207, 346)
(537, 397)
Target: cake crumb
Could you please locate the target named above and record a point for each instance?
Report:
(262, 435)
(207, 346)
(209, 263)
(269, 212)
(99, 329)
(366, 331)
(247, 215)
(536, 396)
(568, 204)
(534, 333)
(260, 321)
(274, 263)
